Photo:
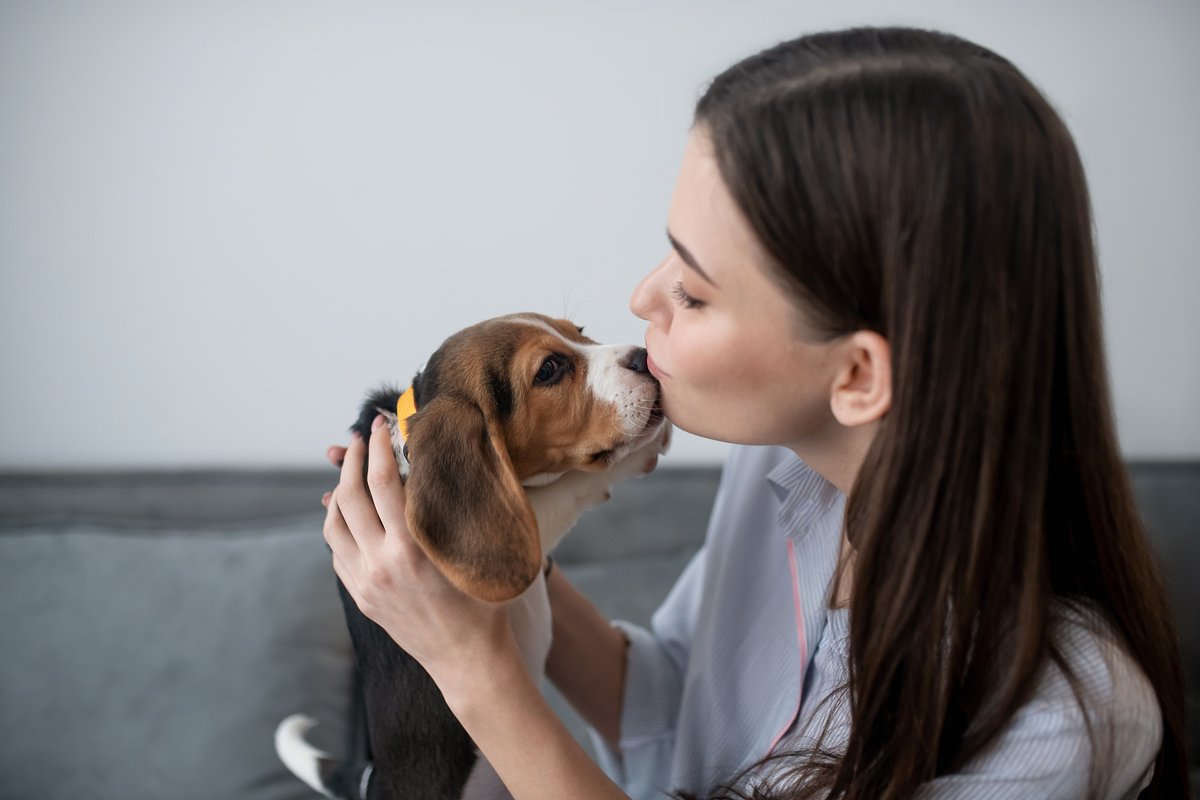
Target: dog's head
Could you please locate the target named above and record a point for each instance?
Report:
(511, 402)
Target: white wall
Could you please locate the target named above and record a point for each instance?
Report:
(221, 222)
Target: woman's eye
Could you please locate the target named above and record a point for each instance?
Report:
(549, 370)
(685, 299)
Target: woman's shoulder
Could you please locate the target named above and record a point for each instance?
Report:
(1092, 709)
(1109, 680)
(1093, 702)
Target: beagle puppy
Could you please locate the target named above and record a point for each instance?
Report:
(514, 428)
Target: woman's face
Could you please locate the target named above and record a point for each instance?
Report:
(735, 357)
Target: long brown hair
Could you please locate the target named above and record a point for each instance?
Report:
(916, 184)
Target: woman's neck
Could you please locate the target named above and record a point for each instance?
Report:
(838, 456)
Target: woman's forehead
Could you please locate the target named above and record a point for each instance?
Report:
(704, 218)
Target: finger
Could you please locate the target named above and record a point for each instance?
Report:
(352, 498)
(325, 499)
(337, 535)
(349, 579)
(336, 454)
(383, 478)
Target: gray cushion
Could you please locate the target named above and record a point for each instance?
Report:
(152, 664)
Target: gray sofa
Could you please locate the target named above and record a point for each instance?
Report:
(156, 626)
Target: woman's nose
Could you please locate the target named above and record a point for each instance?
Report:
(647, 297)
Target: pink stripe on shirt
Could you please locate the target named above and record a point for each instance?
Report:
(801, 639)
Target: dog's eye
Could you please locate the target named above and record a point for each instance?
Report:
(551, 371)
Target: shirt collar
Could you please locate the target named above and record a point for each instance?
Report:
(804, 495)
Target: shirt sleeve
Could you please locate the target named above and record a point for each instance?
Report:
(656, 662)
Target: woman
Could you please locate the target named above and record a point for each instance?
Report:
(881, 263)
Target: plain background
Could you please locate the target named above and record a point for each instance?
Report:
(221, 222)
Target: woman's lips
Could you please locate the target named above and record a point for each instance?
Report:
(654, 370)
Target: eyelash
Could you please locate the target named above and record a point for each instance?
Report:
(685, 299)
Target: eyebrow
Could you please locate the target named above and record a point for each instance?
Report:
(688, 258)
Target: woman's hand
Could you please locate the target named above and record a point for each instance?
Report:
(465, 644)
(451, 634)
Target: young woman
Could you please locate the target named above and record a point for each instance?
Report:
(935, 582)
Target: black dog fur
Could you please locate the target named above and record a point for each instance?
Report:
(414, 745)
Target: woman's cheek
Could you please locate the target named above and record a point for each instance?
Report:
(695, 380)
(700, 355)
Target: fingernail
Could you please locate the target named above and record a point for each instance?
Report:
(378, 421)
(325, 499)
(355, 435)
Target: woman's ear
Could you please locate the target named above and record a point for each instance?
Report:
(862, 387)
(466, 507)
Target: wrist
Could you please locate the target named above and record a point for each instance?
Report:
(543, 760)
(463, 659)
(470, 686)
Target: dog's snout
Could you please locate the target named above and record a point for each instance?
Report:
(637, 361)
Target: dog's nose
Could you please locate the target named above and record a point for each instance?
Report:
(637, 361)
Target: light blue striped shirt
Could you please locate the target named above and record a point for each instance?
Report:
(741, 654)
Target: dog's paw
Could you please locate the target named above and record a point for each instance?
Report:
(644, 459)
(664, 438)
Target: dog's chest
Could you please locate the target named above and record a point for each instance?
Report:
(530, 615)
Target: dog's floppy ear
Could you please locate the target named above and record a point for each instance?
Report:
(466, 507)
